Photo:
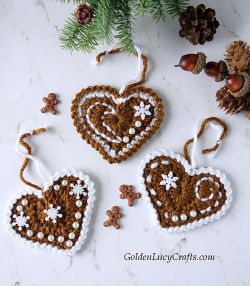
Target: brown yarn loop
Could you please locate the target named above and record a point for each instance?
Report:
(118, 50)
(201, 131)
(27, 160)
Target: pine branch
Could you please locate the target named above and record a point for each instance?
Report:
(105, 20)
(156, 9)
(141, 7)
(123, 24)
(114, 18)
(76, 37)
(175, 7)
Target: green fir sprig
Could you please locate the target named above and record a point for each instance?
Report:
(113, 19)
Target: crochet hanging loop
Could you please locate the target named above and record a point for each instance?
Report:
(142, 63)
(28, 156)
(216, 124)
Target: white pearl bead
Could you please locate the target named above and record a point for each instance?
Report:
(29, 232)
(125, 139)
(64, 183)
(40, 235)
(183, 217)
(131, 131)
(69, 243)
(193, 213)
(138, 123)
(71, 235)
(75, 224)
(50, 237)
(78, 203)
(60, 239)
(19, 208)
(78, 215)
(24, 202)
(56, 187)
(175, 218)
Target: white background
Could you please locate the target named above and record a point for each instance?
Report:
(33, 64)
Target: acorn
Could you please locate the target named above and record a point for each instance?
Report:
(238, 84)
(217, 70)
(192, 62)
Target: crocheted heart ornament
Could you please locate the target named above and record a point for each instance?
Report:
(117, 123)
(58, 218)
(182, 197)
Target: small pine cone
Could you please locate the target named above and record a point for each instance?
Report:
(84, 14)
(238, 56)
(198, 24)
(231, 104)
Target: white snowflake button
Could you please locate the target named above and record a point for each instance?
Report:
(21, 221)
(142, 110)
(169, 181)
(78, 189)
(52, 213)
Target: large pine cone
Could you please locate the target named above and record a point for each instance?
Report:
(198, 24)
(231, 104)
(238, 56)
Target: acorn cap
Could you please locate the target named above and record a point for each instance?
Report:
(245, 88)
(223, 71)
(200, 64)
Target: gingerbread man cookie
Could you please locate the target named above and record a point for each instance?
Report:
(50, 104)
(113, 216)
(128, 193)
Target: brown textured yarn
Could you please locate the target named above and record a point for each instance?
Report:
(123, 118)
(202, 128)
(63, 226)
(27, 160)
(144, 62)
(182, 199)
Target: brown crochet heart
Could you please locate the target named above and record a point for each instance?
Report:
(57, 217)
(116, 124)
(179, 196)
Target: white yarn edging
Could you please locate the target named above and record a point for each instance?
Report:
(47, 184)
(191, 171)
(98, 137)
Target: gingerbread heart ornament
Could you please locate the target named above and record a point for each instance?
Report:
(117, 123)
(179, 196)
(56, 216)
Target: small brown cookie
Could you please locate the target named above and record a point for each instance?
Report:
(113, 216)
(50, 104)
(128, 193)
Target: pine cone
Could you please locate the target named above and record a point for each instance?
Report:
(198, 24)
(231, 104)
(84, 14)
(238, 56)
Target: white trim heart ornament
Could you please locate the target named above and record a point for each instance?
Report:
(117, 123)
(54, 217)
(179, 196)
